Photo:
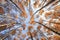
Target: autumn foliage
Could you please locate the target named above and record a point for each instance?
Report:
(29, 19)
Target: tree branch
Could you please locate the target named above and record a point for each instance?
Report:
(49, 28)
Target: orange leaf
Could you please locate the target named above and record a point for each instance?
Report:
(56, 37)
(57, 8)
(41, 11)
(24, 26)
(13, 32)
(1, 10)
(41, 20)
(38, 27)
(30, 27)
(43, 38)
(32, 21)
(31, 12)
